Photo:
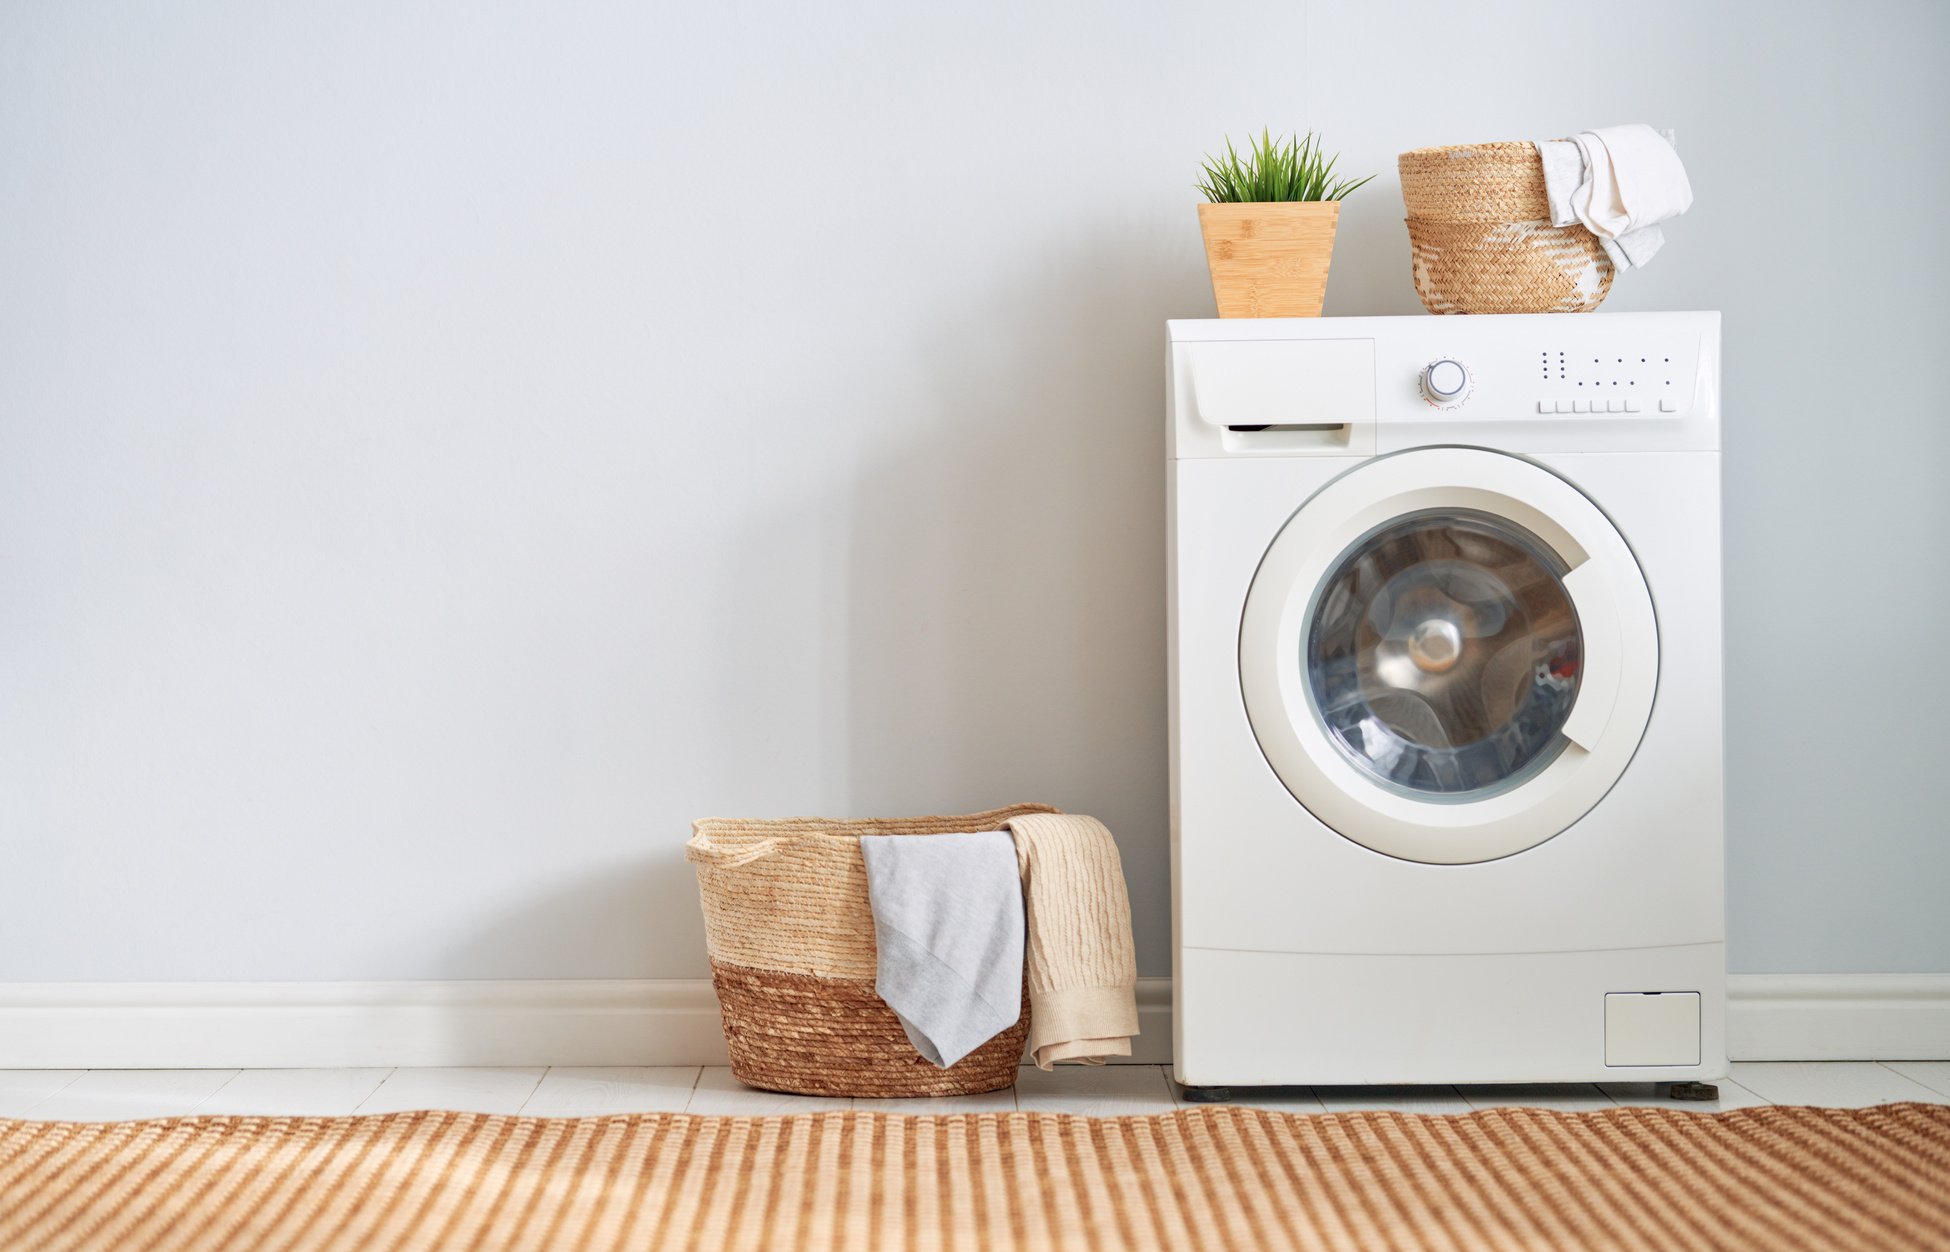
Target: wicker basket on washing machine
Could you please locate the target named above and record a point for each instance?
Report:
(1480, 235)
(790, 932)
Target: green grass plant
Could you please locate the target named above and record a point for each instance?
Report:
(1275, 168)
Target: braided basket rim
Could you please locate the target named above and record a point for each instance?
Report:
(1516, 149)
(854, 827)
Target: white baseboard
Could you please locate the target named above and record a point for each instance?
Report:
(675, 1022)
(328, 1024)
(306, 1025)
(1838, 1017)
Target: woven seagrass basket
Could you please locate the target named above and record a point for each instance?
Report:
(790, 932)
(1480, 235)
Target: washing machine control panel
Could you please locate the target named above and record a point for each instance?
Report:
(1360, 386)
(1648, 378)
(1548, 383)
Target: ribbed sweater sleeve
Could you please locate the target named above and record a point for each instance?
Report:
(1081, 961)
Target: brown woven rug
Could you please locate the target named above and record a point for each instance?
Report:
(1206, 1178)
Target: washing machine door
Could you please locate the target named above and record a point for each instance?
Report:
(1449, 655)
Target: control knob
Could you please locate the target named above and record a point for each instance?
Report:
(1445, 381)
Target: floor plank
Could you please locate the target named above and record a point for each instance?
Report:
(107, 1095)
(461, 1090)
(1095, 1090)
(22, 1089)
(294, 1092)
(592, 1091)
(1932, 1074)
(719, 1094)
(1837, 1084)
(1653, 1095)
(1565, 1097)
(1395, 1099)
(118, 1095)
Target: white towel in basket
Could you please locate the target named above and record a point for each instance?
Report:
(948, 926)
(1620, 182)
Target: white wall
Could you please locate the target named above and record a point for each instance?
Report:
(445, 448)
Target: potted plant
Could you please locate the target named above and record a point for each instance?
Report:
(1269, 225)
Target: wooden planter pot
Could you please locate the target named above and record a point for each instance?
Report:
(1269, 259)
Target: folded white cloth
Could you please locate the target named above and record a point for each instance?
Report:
(1620, 182)
(948, 925)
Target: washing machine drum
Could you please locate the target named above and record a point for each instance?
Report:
(1449, 655)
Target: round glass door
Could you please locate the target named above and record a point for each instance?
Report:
(1442, 654)
(1448, 655)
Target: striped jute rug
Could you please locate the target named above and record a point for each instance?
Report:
(1205, 1178)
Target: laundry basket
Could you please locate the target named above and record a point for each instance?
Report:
(790, 932)
(1480, 235)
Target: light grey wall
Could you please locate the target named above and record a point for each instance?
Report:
(445, 448)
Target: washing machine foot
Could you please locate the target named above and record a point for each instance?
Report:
(1693, 1091)
(1206, 1095)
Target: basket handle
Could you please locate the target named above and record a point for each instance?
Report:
(701, 851)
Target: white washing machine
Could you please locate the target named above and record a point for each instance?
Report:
(1445, 700)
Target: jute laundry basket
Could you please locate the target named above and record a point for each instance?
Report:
(790, 932)
(1480, 235)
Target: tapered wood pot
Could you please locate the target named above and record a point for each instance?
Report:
(1269, 259)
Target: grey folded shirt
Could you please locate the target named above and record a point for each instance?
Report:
(948, 922)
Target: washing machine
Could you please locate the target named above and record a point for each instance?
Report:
(1445, 676)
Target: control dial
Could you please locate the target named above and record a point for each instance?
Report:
(1445, 381)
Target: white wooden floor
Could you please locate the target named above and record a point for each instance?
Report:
(113, 1095)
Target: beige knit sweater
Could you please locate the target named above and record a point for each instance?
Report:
(1081, 963)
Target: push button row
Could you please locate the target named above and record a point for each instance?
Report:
(1621, 405)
